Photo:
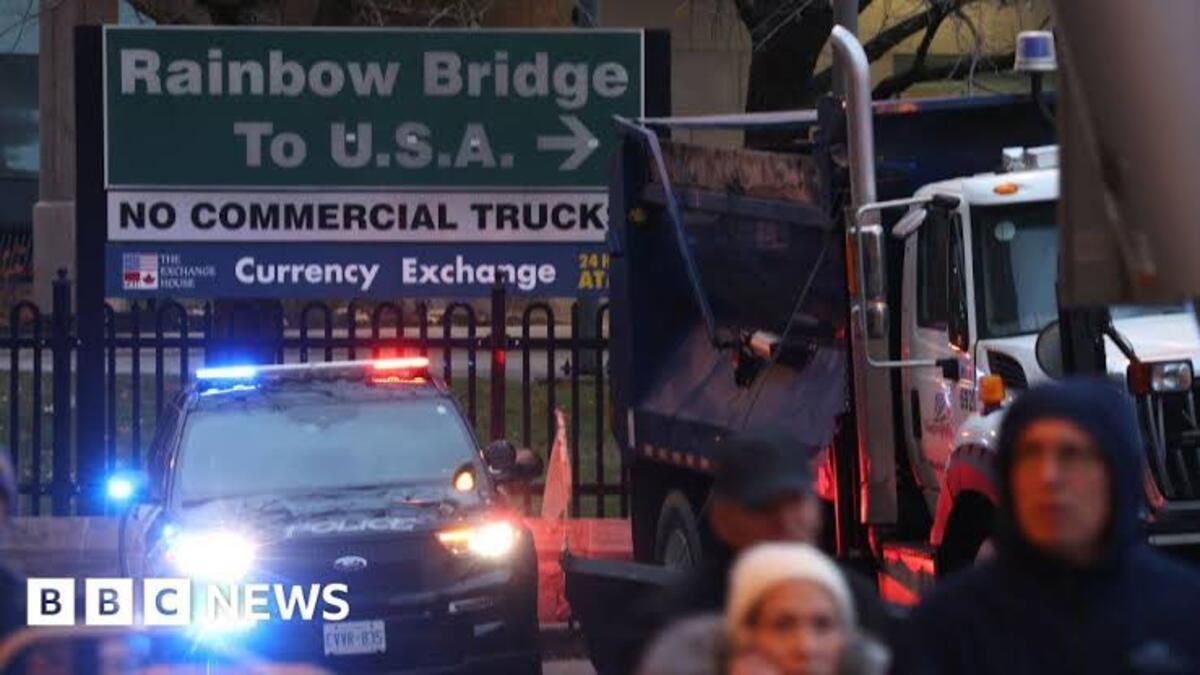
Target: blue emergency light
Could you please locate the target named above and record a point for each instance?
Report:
(1035, 52)
(122, 487)
(227, 373)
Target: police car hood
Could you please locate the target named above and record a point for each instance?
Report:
(334, 514)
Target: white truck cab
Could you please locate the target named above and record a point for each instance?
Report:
(979, 272)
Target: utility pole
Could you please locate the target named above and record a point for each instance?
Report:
(587, 15)
(54, 213)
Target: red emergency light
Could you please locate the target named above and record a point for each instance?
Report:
(405, 370)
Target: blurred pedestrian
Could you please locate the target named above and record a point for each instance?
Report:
(1074, 587)
(763, 491)
(12, 587)
(789, 612)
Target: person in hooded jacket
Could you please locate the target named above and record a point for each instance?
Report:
(1074, 587)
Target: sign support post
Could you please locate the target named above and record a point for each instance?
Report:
(90, 242)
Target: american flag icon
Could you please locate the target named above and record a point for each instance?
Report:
(139, 271)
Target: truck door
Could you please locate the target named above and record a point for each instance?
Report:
(936, 326)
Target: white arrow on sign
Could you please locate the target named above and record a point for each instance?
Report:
(581, 143)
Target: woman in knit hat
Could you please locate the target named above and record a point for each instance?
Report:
(789, 612)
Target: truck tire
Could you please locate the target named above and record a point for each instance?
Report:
(969, 526)
(677, 538)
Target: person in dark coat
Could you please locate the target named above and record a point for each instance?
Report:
(789, 610)
(1074, 587)
(763, 492)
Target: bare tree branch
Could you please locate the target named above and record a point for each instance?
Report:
(370, 12)
(169, 12)
(896, 84)
(976, 45)
(760, 43)
(892, 36)
(922, 53)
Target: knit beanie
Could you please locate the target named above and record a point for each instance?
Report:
(765, 565)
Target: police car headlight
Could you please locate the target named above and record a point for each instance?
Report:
(218, 556)
(489, 540)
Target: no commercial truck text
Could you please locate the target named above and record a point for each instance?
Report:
(455, 215)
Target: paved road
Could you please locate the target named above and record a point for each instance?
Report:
(564, 652)
(574, 667)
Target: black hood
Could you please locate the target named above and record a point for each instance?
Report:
(335, 513)
(1104, 413)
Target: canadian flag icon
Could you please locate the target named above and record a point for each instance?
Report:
(139, 271)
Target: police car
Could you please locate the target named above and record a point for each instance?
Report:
(362, 474)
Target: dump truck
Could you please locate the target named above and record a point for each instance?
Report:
(880, 292)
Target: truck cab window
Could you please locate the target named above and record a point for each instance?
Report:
(933, 271)
(1016, 258)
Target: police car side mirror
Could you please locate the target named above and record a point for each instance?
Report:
(501, 457)
(506, 463)
(1048, 351)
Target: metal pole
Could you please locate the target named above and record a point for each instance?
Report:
(499, 347)
(871, 469)
(60, 345)
(588, 16)
(852, 60)
(91, 237)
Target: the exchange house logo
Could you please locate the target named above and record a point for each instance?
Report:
(139, 271)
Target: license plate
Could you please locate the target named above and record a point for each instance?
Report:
(355, 637)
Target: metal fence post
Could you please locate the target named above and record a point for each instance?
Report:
(499, 345)
(61, 347)
(91, 239)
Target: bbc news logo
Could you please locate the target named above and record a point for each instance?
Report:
(180, 602)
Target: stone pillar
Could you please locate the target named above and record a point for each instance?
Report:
(54, 213)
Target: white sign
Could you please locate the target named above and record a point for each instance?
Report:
(355, 637)
(424, 217)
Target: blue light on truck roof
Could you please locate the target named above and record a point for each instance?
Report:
(1035, 52)
(227, 373)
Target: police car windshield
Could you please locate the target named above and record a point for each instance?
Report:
(268, 444)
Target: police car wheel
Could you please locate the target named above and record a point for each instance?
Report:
(677, 542)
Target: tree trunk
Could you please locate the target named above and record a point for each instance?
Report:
(781, 67)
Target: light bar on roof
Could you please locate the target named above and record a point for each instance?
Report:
(227, 373)
(405, 363)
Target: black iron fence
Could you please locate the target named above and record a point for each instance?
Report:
(151, 350)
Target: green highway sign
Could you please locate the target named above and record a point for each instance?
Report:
(204, 108)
